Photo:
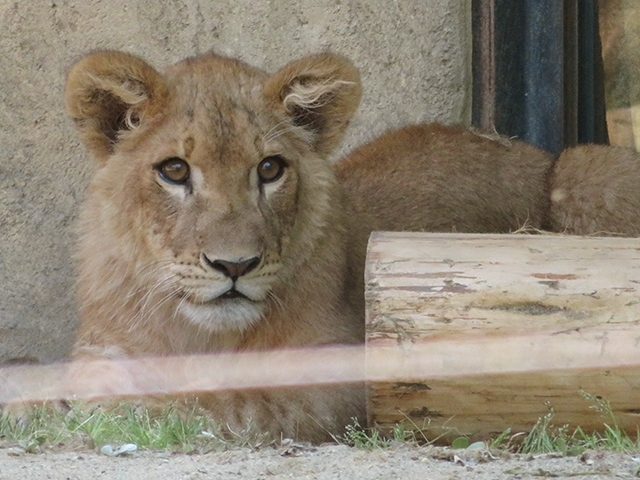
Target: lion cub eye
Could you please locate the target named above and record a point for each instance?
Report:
(174, 170)
(271, 168)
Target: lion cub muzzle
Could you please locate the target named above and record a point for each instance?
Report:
(233, 270)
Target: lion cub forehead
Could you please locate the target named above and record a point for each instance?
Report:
(219, 97)
(216, 76)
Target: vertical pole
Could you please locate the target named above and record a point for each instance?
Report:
(483, 65)
(518, 69)
(544, 74)
(571, 73)
(592, 126)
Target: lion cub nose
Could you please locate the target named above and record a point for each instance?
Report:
(233, 269)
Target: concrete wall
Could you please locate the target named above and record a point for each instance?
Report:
(414, 58)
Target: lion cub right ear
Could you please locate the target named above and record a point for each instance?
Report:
(319, 93)
(111, 93)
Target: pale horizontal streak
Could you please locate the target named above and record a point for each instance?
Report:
(470, 355)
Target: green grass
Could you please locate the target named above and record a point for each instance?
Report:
(544, 437)
(194, 430)
(169, 430)
(371, 438)
(363, 438)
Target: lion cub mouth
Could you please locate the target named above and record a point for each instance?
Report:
(233, 293)
(229, 310)
(230, 294)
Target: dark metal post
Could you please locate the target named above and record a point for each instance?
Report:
(538, 71)
(544, 74)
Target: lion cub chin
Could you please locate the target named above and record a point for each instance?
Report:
(215, 221)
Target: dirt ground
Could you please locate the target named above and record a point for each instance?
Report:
(307, 462)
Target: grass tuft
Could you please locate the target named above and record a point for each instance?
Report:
(44, 426)
(363, 438)
(371, 438)
(544, 437)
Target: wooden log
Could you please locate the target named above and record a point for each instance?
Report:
(488, 332)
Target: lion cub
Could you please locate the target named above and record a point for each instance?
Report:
(215, 221)
(437, 178)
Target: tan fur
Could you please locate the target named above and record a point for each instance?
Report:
(595, 190)
(144, 284)
(437, 178)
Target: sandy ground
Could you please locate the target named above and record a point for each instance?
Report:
(306, 462)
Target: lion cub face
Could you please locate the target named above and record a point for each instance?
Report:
(212, 180)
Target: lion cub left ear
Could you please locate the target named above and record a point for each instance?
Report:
(110, 93)
(320, 93)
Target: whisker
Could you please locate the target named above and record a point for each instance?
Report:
(267, 136)
(144, 299)
(280, 306)
(145, 272)
(276, 131)
(143, 314)
(178, 307)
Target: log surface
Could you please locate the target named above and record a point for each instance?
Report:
(512, 325)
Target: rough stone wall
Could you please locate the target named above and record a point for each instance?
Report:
(414, 58)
